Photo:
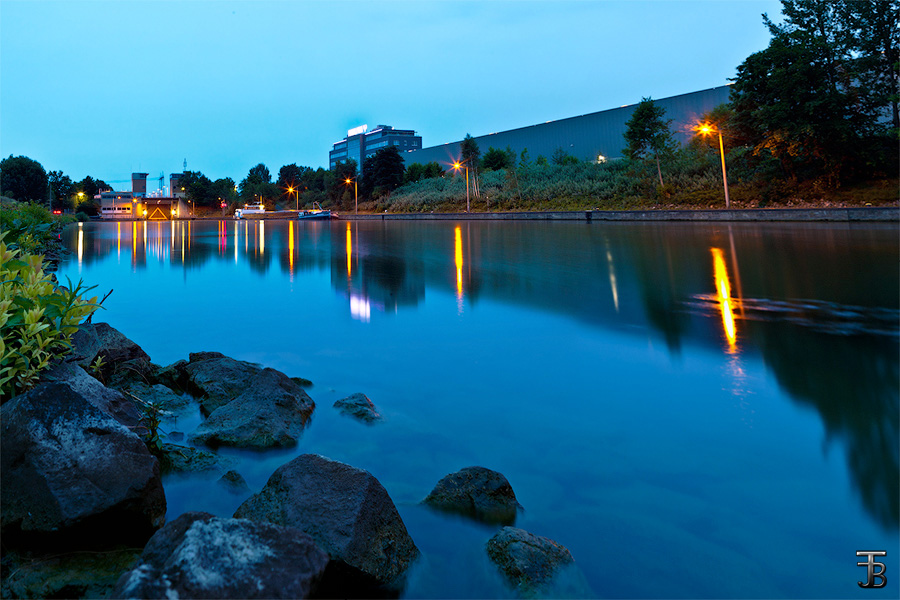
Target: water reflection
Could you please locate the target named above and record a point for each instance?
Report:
(723, 290)
(817, 304)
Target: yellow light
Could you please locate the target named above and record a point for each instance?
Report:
(456, 166)
(347, 181)
(349, 250)
(723, 291)
(705, 128)
(459, 262)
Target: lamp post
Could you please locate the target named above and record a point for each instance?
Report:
(456, 167)
(707, 129)
(291, 191)
(355, 194)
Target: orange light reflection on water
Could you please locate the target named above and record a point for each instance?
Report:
(349, 250)
(459, 262)
(723, 292)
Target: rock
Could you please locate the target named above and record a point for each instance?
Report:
(476, 492)
(302, 382)
(116, 348)
(85, 345)
(359, 407)
(271, 412)
(160, 396)
(233, 482)
(217, 379)
(112, 402)
(71, 473)
(173, 376)
(536, 566)
(201, 556)
(347, 512)
(129, 372)
(185, 459)
(69, 575)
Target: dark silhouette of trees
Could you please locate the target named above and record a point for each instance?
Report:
(22, 178)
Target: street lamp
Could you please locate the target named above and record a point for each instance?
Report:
(291, 191)
(707, 129)
(355, 194)
(456, 167)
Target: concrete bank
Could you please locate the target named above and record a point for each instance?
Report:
(885, 214)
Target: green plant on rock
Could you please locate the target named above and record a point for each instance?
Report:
(37, 319)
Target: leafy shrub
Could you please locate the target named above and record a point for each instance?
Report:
(37, 319)
(30, 227)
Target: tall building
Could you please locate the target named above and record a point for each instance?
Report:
(361, 143)
(139, 184)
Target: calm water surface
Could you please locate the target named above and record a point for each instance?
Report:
(694, 410)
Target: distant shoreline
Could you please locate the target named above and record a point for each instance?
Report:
(852, 214)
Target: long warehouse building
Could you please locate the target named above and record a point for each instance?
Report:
(592, 137)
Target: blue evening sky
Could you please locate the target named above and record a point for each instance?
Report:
(107, 88)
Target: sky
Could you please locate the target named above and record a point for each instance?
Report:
(110, 88)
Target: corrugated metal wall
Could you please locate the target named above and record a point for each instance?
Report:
(586, 136)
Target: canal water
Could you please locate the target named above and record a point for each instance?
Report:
(694, 410)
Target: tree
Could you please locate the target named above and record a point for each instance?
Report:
(873, 29)
(815, 98)
(433, 169)
(291, 177)
(414, 172)
(561, 157)
(257, 186)
(91, 187)
(22, 178)
(647, 133)
(470, 154)
(382, 172)
(335, 182)
(495, 160)
(61, 189)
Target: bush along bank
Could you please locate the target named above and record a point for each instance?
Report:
(84, 508)
(692, 180)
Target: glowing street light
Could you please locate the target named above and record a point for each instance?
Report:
(291, 191)
(708, 129)
(355, 194)
(456, 167)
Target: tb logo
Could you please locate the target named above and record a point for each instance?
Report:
(870, 565)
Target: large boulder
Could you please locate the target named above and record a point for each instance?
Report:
(270, 413)
(112, 402)
(346, 511)
(201, 556)
(359, 407)
(217, 379)
(536, 566)
(166, 400)
(72, 473)
(115, 348)
(476, 492)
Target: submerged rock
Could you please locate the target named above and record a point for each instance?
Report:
(201, 556)
(359, 407)
(270, 413)
(347, 512)
(185, 459)
(476, 492)
(71, 471)
(234, 482)
(536, 566)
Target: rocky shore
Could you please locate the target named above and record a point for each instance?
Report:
(84, 508)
